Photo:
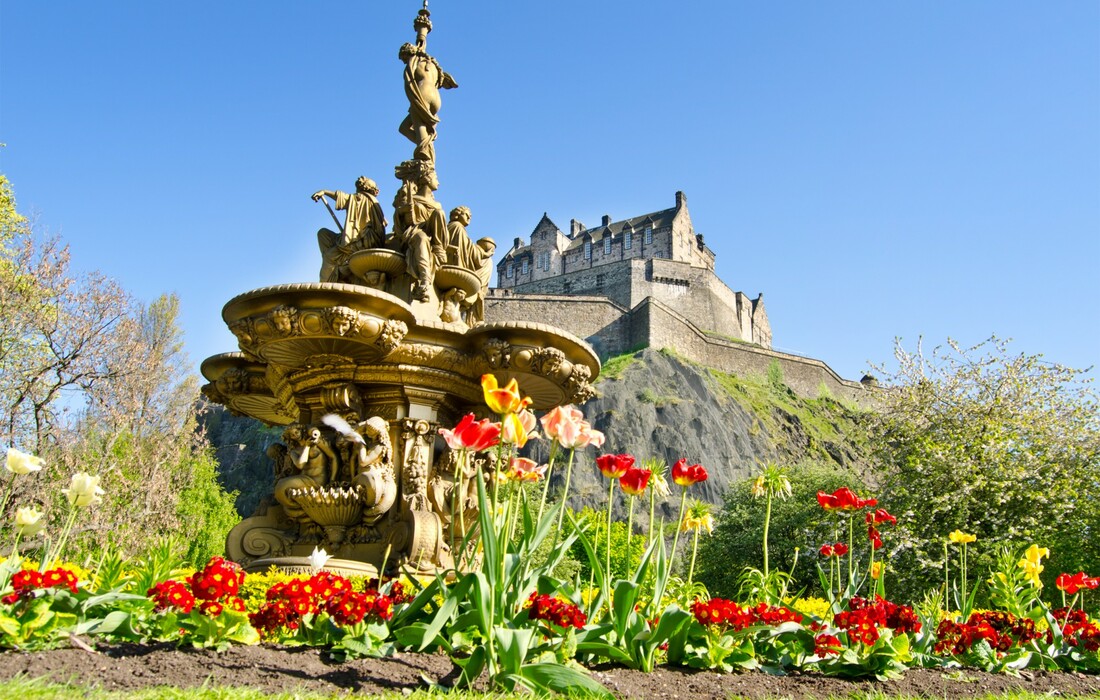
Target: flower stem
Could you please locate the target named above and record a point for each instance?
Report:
(652, 511)
(7, 495)
(767, 523)
(610, 497)
(851, 548)
(679, 521)
(694, 549)
(564, 496)
(546, 484)
(629, 532)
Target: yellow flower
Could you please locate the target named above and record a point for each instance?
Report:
(1031, 564)
(84, 490)
(503, 400)
(960, 537)
(704, 522)
(21, 462)
(876, 570)
(1035, 553)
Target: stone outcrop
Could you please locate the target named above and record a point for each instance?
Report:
(663, 406)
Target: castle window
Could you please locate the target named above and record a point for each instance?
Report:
(599, 281)
(648, 235)
(525, 263)
(588, 250)
(508, 271)
(607, 244)
(628, 240)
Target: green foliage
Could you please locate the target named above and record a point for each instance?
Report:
(206, 508)
(1004, 446)
(775, 377)
(623, 561)
(795, 522)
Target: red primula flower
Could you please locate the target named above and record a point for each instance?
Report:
(826, 644)
(614, 466)
(685, 476)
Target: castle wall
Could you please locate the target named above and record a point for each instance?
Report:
(605, 325)
(612, 330)
(664, 327)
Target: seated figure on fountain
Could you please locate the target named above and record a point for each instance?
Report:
(461, 251)
(308, 462)
(419, 226)
(372, 468)
(364, 227)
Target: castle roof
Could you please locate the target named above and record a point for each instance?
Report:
(657, 219)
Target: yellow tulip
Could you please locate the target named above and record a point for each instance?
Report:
(503, 400)
(21, 462)
(876, 570)
(960, 537)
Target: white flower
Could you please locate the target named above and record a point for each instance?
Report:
(84, 490)
(28, 521)
(318, 559)
(21, 462)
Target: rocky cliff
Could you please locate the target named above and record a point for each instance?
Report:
(655, 404)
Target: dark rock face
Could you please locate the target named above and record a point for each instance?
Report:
(663, 407)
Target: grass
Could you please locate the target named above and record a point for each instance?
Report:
(824, 419)
(615, 366)
(33, 689)
(37, 689)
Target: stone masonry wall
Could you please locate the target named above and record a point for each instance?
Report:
(805, 376)
(600, 322)
(612, 330)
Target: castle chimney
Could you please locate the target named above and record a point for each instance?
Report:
(681, 200)
(606, 220)
(518, 244)
(575, 228)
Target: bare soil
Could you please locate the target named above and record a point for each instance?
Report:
(275, 669)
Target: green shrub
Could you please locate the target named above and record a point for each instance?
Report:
(796, 522)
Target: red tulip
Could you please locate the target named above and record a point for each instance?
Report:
(826, 550)
(873, 535)
(840, 549)
(879, 517)
(685, 476)
(634, 481)
(844, 499)
(614, 466)
(475, 436)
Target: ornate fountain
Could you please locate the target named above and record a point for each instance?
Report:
(363, 367)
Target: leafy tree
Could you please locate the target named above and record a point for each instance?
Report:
(1004, 446)
(93, 380)
(796, 522)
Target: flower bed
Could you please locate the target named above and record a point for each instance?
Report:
(505, 617)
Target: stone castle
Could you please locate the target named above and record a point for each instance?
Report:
(646, 281)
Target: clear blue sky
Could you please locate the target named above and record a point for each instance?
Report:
(876, 169)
